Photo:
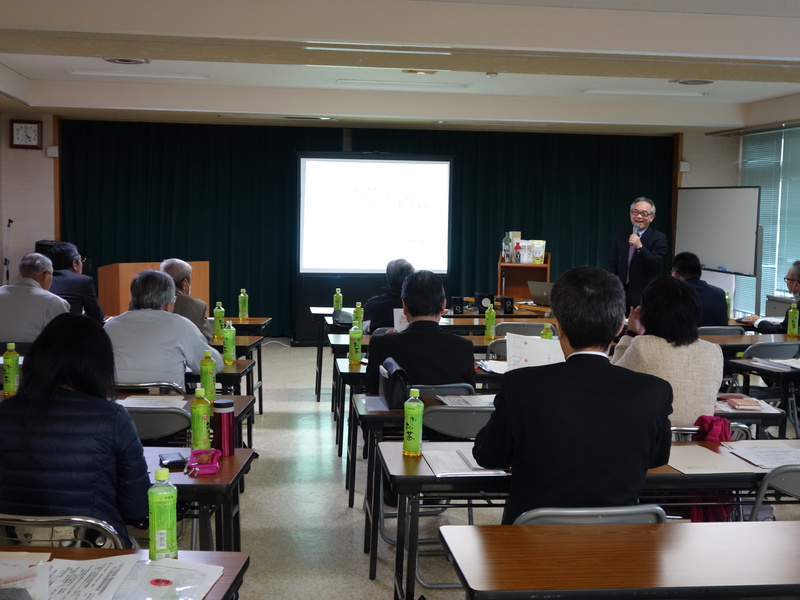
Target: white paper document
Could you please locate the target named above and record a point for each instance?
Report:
(766, 454)
(153, 401)
(468, 400)
(457, 462)
(22, 575)
(531, 351)
(168, 579)
(699, 460)
(89, 579)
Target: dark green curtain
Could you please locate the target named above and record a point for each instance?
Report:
(228, 194)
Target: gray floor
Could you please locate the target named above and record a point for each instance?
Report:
(303, 540)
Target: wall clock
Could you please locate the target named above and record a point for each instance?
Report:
(26, 134)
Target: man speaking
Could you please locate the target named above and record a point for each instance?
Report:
(636, 255)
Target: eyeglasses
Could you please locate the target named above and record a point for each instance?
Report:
(788, 279)
(643, 213)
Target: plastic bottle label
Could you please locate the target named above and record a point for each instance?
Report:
(244, 312)
(354, 352)
(412, 427)
(10, 374)
(208, 379)
(229, 346)
(201, 427)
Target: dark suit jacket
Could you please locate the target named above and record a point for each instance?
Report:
(712, 302)
(645, 264)
(428, 354)
(196, 311)
(379, 310)
(78, 290)
(576, 434)
(770, 327)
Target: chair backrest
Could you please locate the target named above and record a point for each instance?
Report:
(785, 479)
(457, 421)
(720, 330)
(638, 513)
(739, 431)
(522, 328)
(156, 422)
(772, 350)
(162, 386)
(381, 331)
(81, 532)
(496, 349)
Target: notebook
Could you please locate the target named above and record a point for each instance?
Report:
(540, 292)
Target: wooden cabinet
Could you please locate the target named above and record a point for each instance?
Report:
(517, 276)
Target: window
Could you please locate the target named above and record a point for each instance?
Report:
(772, 160)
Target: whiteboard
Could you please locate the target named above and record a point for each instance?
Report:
(719, 225)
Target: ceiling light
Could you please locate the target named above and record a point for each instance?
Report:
(419, 72)
(691, 81)
(139, 74)
(260, 116)
(609, 92)
(378, 50)
(127, 61)
(415, 84)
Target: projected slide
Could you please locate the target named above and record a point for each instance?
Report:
(357, 214)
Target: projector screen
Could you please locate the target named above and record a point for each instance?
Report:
(358, 212)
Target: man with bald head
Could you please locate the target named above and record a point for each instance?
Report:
(193, 309)
(27, 305)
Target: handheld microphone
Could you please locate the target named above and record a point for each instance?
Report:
(635, 230)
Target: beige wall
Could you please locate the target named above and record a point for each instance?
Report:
(27, 193)
(713, 161)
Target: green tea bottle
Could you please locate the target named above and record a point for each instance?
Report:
(229, 343)
(791, 328)
(10, 370)
(244, 305)
(208, 377)
(354, 352)
(219, 321)
(162, 502)
(358, 316)
(338, 299)
(412, 424)
(728, 303)
(491, 318)
(201, 421)
(547, 332)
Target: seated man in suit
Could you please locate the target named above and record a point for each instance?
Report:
(379, 310)
(584, 432)
(192, 308)
(71, 284)
(429, 355)
(792, 280)
(686, 266)
(27, 305)
(150, 342)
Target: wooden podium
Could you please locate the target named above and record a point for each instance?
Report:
(114, 284)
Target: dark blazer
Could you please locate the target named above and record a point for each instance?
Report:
(379, 310)
(645, 264)
(78, 290)
(712, 302)
(576, 434)
(428, 354)
(196, 311)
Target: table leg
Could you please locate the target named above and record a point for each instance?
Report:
(228, 526)
(204, 514)
(260, 381)
(352, 449)
(372, 506)
(320, 344)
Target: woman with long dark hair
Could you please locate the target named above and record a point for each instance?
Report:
(65, 447)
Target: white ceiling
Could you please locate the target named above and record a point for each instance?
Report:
(585, 65)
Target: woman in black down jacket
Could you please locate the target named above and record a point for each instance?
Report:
(65, 447)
